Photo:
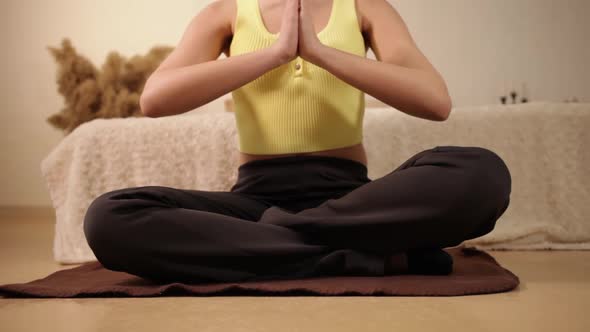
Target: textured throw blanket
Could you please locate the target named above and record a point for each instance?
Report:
(545, 146)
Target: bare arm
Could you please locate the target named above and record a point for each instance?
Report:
(192, 76)
(402, 76)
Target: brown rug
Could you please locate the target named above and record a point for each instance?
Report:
(474, 272)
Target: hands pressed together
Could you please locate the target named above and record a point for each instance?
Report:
(297, 36)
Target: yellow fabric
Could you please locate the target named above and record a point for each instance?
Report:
(298, 106)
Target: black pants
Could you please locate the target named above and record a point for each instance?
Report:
(300, 216)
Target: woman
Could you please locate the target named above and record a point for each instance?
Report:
(302, 205)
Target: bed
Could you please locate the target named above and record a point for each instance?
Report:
(545, 146)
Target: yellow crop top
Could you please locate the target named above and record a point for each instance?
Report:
(298, 106)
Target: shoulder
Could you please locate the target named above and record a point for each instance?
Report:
(224, 11)
(219, 16)
(371, 12)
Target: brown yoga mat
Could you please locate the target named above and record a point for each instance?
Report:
(474, 272)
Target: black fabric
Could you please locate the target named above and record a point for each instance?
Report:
(300, 217)
(474, 272)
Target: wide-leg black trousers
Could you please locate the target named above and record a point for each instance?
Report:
(300, 216)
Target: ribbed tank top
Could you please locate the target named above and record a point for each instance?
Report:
(298, 106)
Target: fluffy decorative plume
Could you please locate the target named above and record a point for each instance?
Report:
(112, 92)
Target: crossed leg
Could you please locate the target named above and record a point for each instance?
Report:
(437, 198)
(176, 235)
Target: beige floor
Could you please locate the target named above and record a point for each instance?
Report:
(554, 295)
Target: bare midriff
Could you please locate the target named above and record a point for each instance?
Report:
(356, 152)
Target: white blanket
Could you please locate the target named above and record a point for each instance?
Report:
(545, 146)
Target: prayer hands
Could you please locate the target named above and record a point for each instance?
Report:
(297, 36)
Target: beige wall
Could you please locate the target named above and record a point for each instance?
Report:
(478, 45)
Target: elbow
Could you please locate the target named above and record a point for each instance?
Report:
(150, 100)
(443, 109)
(147, 105)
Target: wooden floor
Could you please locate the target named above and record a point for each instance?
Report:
(554, 295)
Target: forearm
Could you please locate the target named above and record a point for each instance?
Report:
(412, 91)
(179, 90)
